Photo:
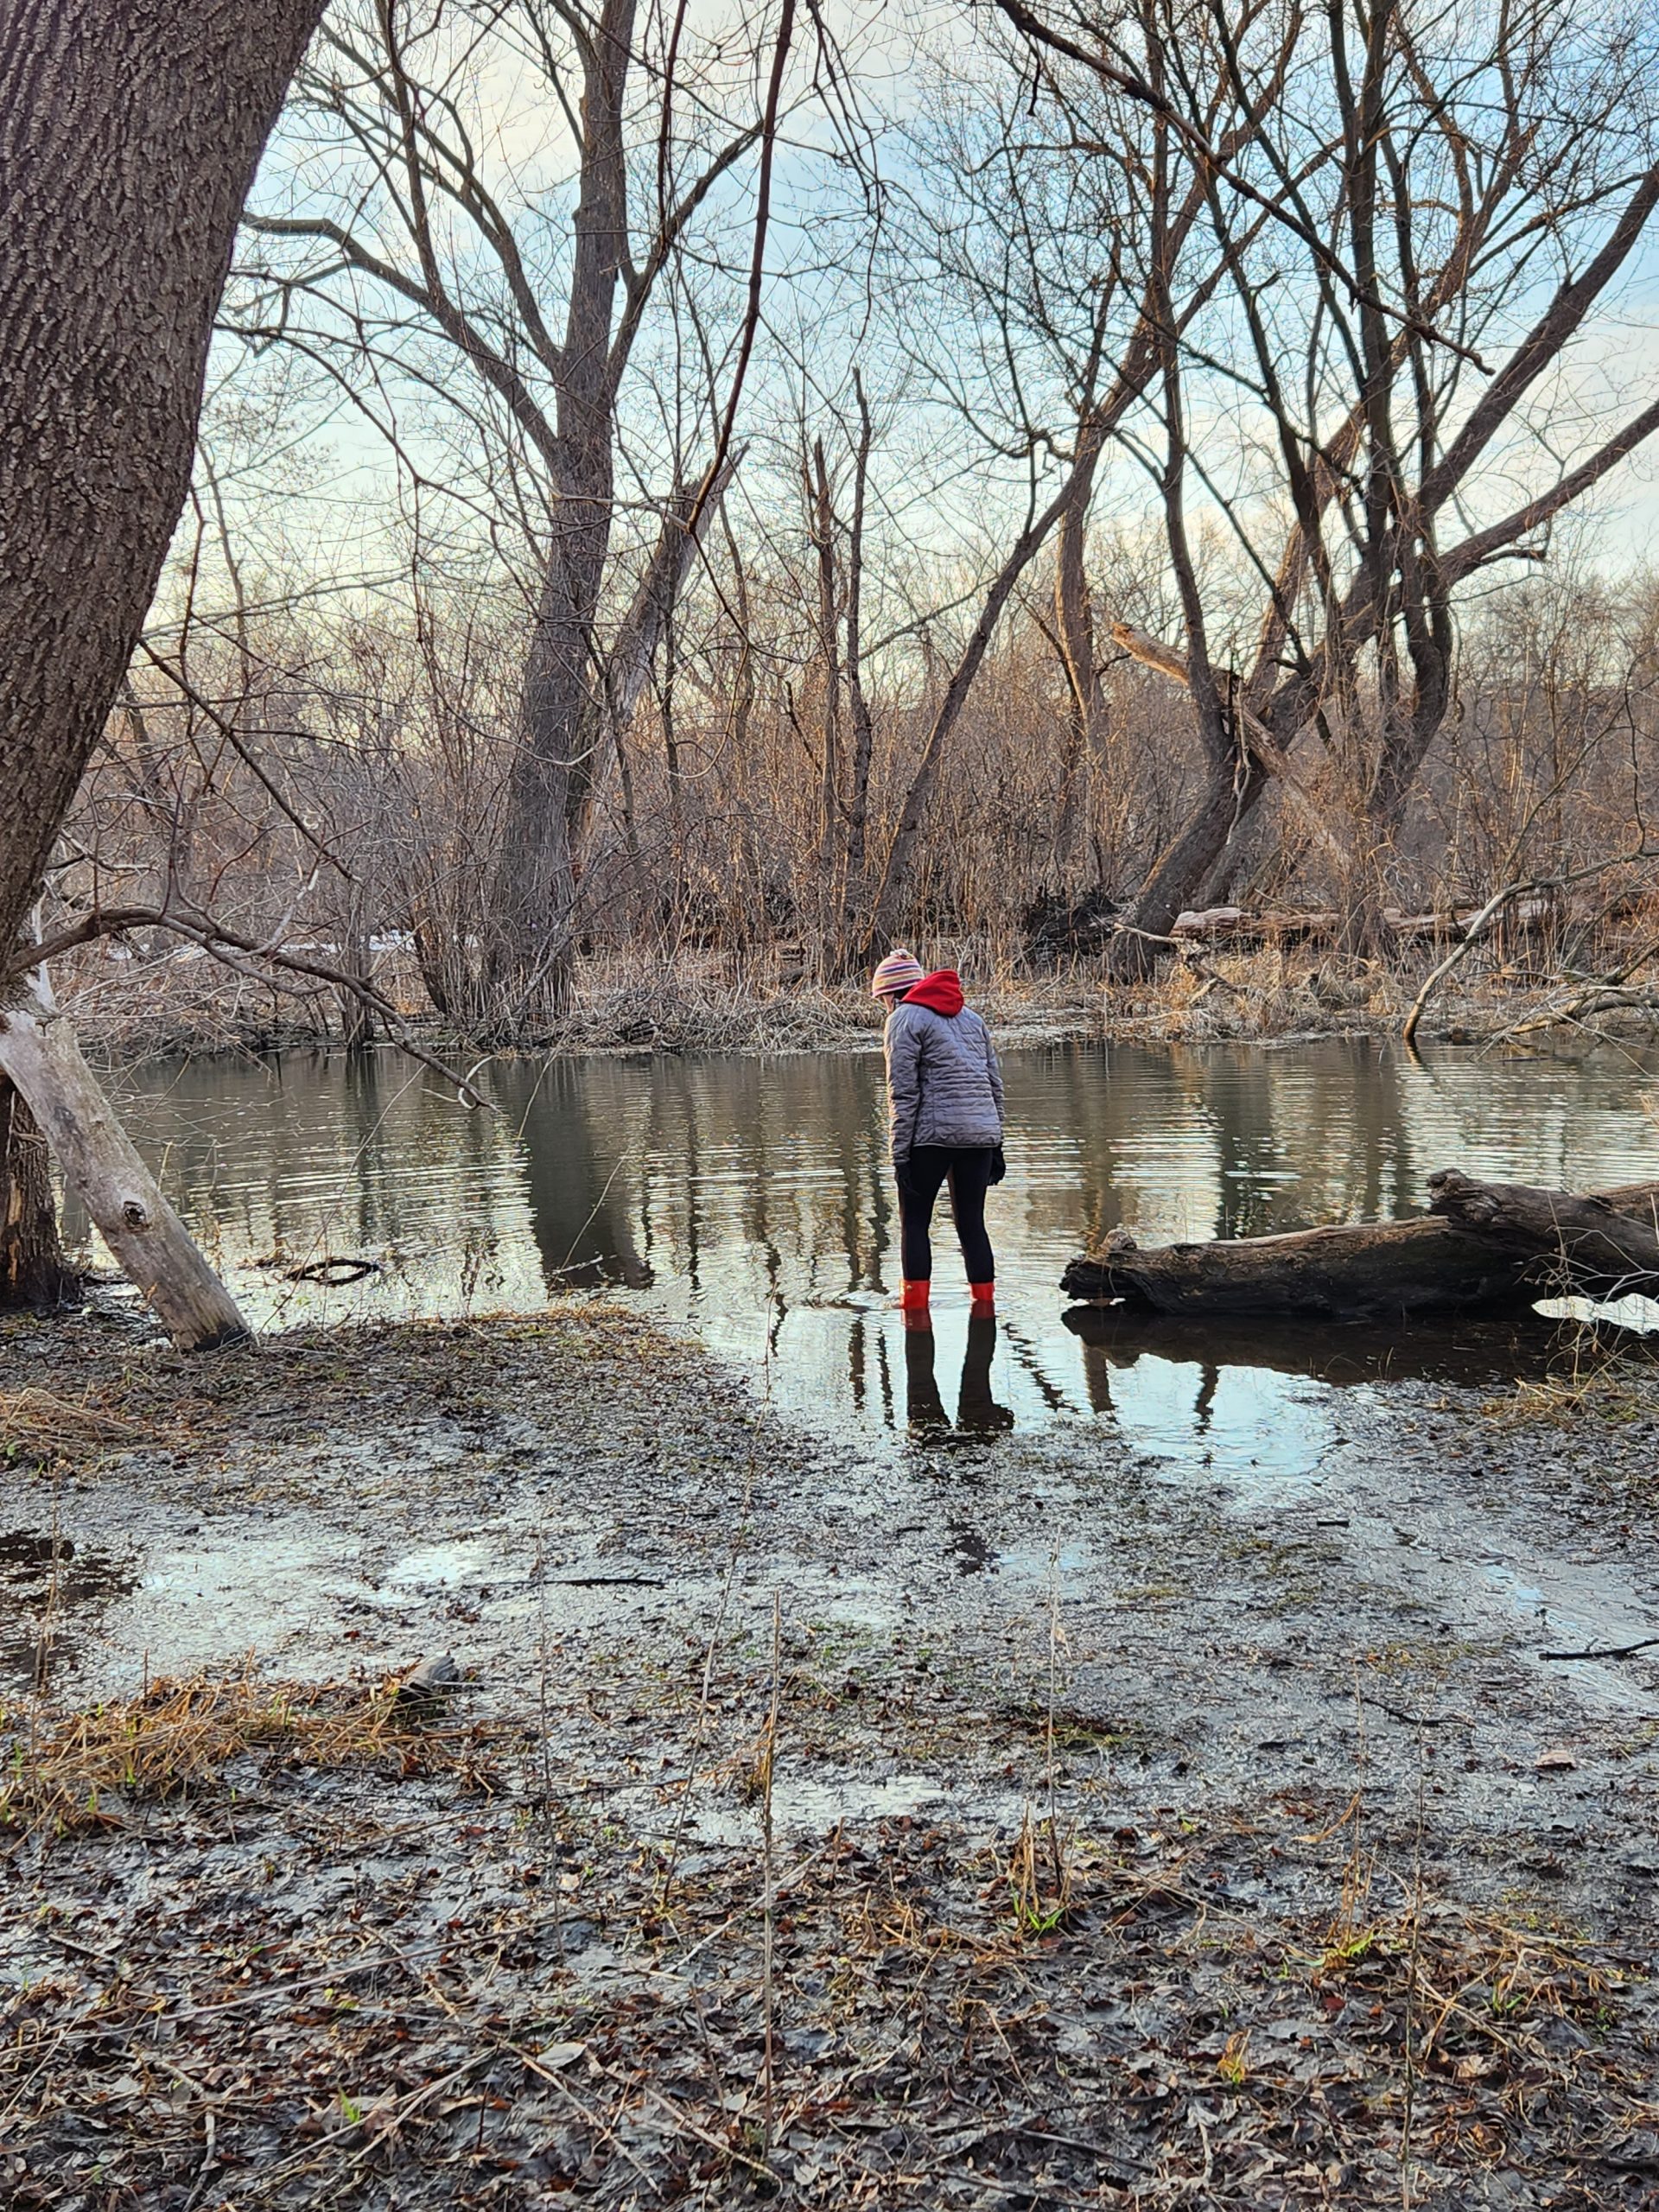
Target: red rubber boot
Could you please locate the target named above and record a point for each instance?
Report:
(983, 1294)
(912, 1299)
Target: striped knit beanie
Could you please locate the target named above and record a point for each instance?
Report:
(896, 973)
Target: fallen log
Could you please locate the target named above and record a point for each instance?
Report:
(1232, 926)
(1605, 1246)
(1507, 915)
(1485, 1246)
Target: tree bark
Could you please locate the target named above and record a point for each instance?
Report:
(527, 972)
(648, 628)
(129, 134)
(821, 518)
(32, 1270)
(39, 1054)
(1074, 624)
(1376, 1271)
(1231, 790)
(1598, 1247)
(1485, 1246)
(529, 923)
(858, 799)
(356, 1018)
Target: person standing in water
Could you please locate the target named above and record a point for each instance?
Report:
(944, 1109)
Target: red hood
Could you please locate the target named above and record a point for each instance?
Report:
(942, 991)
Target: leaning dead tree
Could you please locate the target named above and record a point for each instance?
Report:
(129, 134)
(1481, 1246)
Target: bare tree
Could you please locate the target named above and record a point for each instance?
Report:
(1098, 281)
(441, 272)
(1425, 204)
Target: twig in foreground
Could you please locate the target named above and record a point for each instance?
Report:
(1605, 1650)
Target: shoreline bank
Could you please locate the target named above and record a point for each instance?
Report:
(1247, 999)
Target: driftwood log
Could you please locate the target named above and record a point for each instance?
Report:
(1482, 1246)
(1519, 910)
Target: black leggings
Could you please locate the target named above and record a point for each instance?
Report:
(968, 1169)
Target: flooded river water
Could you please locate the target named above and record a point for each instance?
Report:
(751, 1200)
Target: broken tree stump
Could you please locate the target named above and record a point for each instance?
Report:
(39, 1053)
(1483, 1247)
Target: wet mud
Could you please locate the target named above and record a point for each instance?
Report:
(1160, 1825)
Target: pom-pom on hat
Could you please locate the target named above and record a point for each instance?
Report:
(896, 973)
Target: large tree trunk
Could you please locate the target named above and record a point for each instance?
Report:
(32, 1270)
(1486, 1245)
(39, 1053)
(1074, 624)
(531, 921)
(854, 887)
(580, 707)
(1232, 792)
(130, 131)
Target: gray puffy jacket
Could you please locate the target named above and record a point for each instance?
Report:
(943, 1084)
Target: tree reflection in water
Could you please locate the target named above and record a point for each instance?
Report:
(754, 1199)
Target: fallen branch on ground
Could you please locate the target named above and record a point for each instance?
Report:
(1535, 887)
(1606, 1650)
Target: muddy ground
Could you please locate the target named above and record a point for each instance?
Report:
(1102, 1831)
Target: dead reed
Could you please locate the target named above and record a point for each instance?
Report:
(87, 1769)
(38, 1424)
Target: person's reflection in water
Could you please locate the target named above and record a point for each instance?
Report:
(924, 1408)
(1204, 1406)
(977, 1411)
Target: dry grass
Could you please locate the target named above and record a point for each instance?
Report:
(695, 1006)
(1602, 1395)
(86, 1770)
(1601, 1374)
(38, 1424)
(956, 2022)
